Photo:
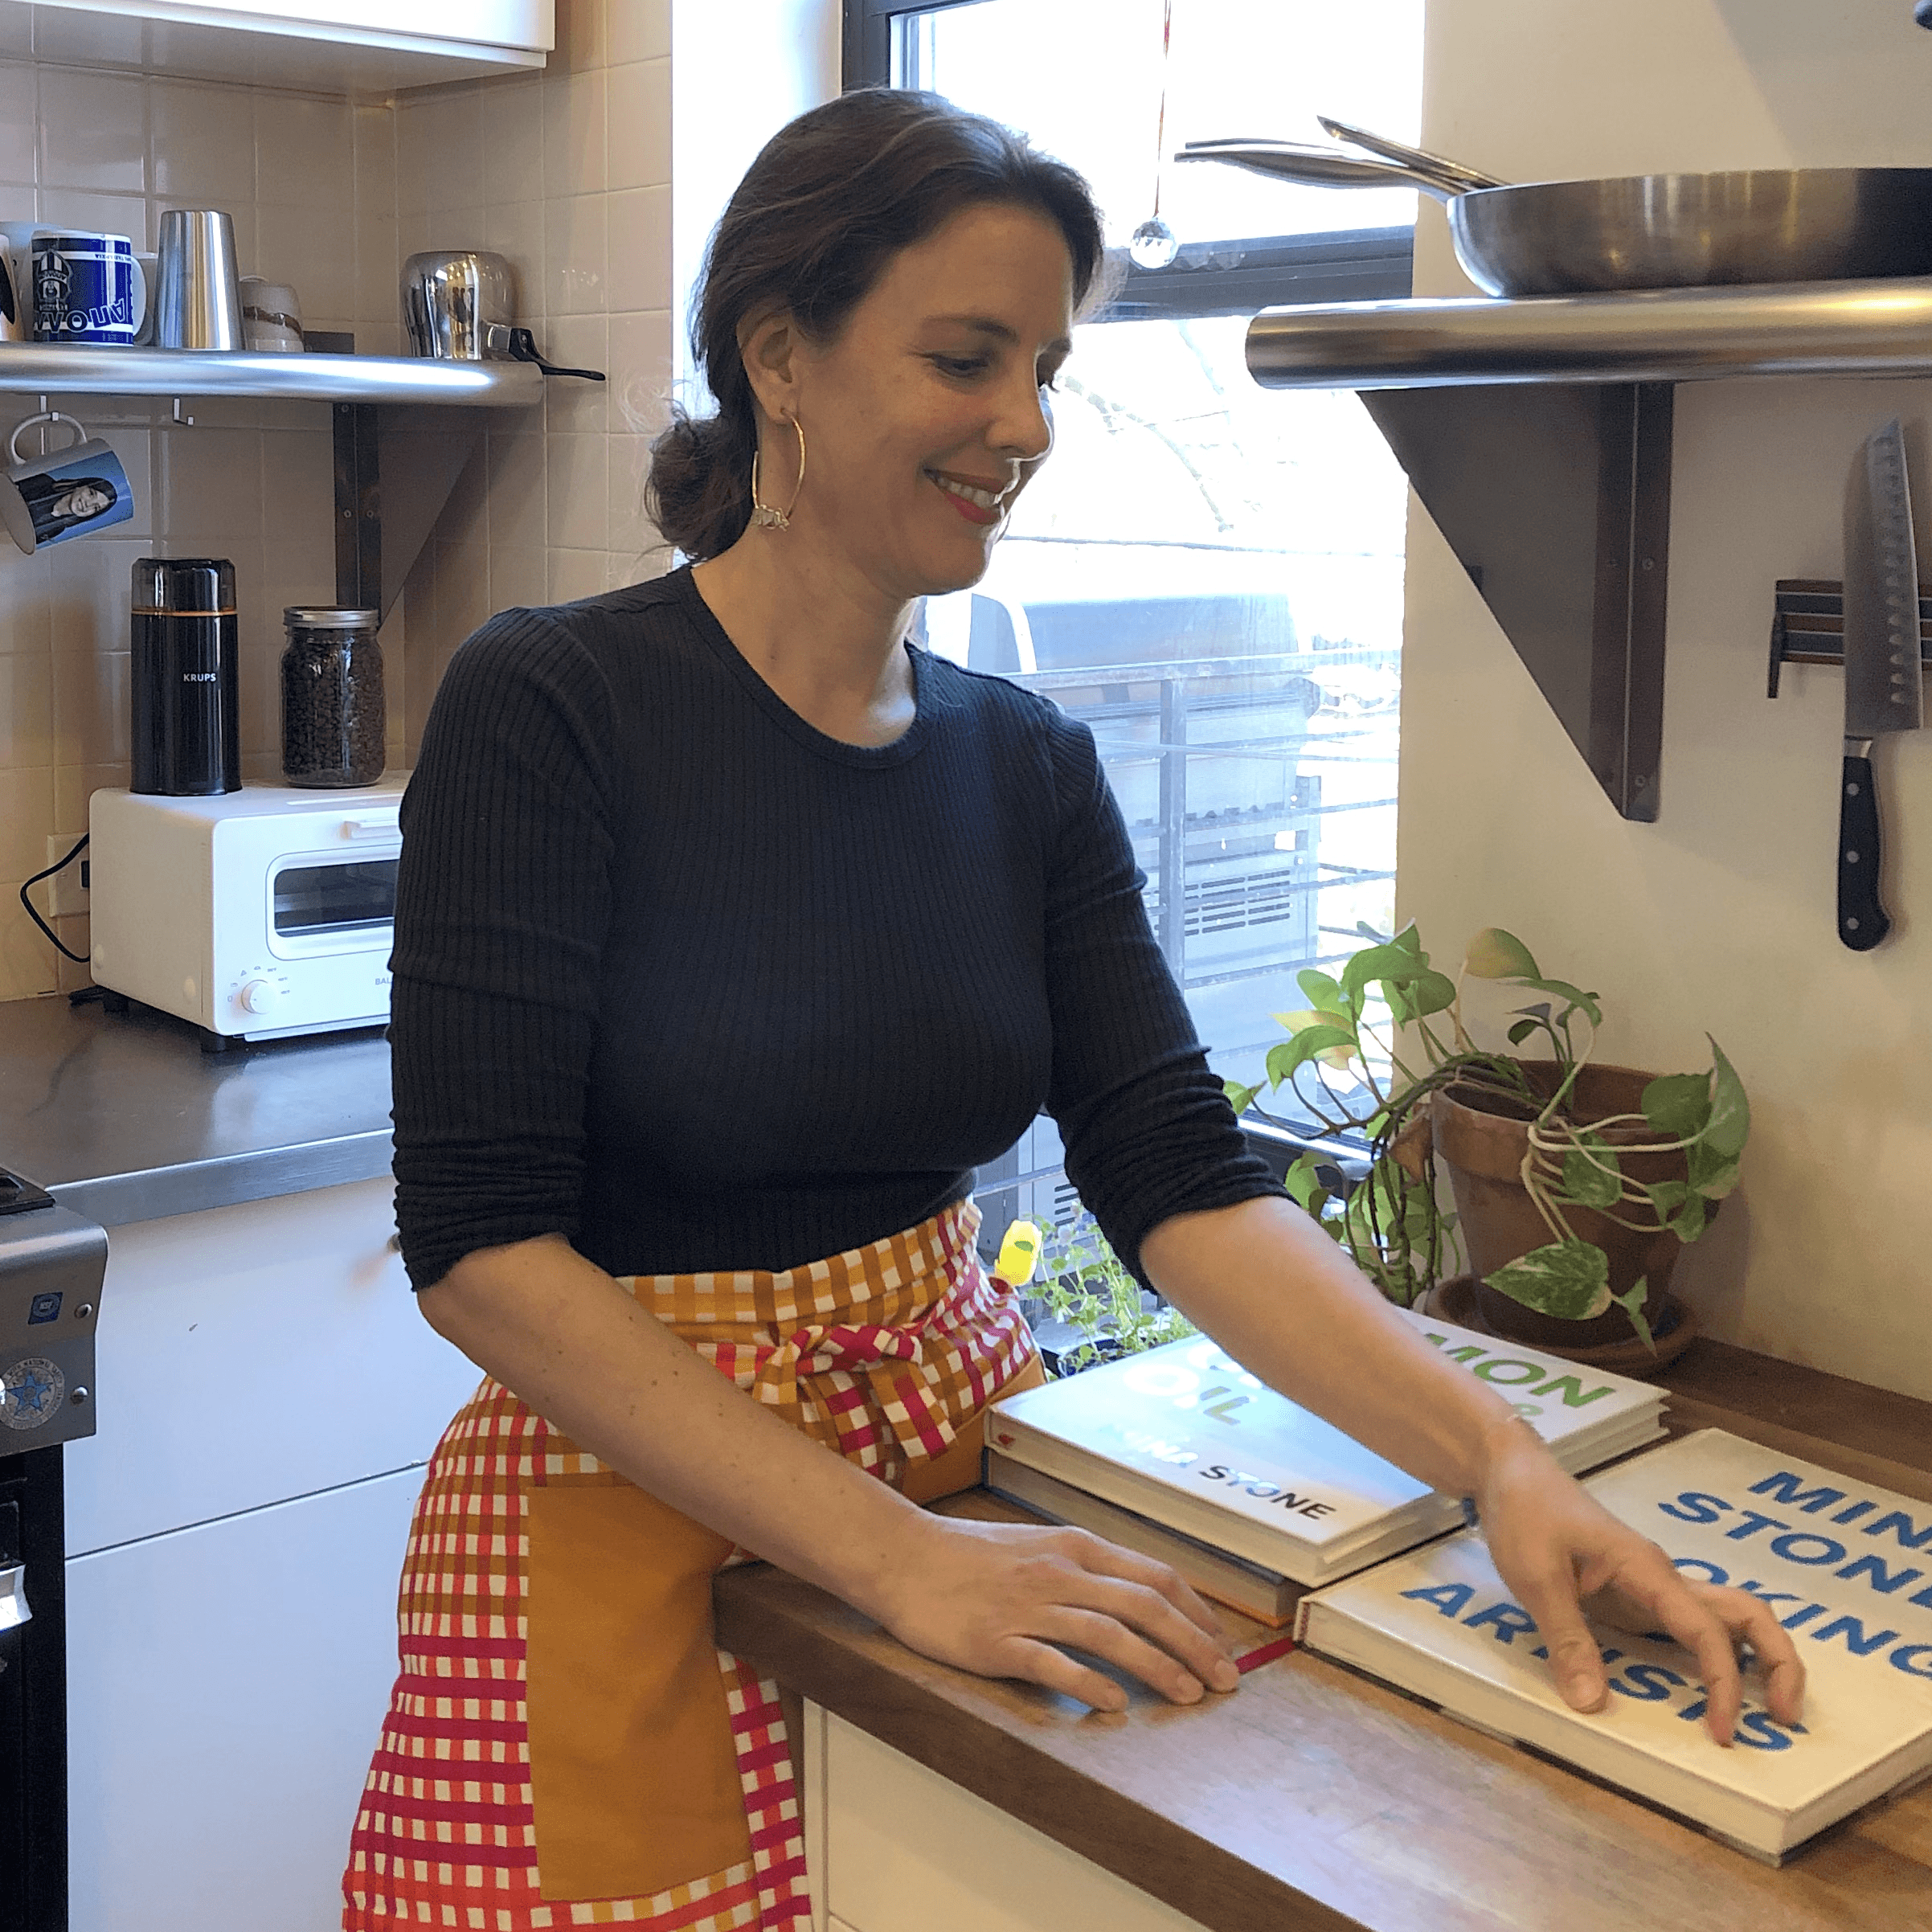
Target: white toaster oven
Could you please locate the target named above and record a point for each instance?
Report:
(257, 914)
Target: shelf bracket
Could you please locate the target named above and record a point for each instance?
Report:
(1555, 498)
(395, 464)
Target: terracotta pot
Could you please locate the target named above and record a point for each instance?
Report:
(1483, 1151)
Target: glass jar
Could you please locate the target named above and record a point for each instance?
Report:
(332, 697)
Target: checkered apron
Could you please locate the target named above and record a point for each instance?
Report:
(884, 1353)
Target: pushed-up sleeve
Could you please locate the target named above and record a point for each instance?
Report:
(502, 904)
(1147, 1128)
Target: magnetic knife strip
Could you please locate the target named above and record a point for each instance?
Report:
(1808, 624)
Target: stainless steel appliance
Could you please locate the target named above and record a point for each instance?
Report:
(53, 1265)
(268, 912)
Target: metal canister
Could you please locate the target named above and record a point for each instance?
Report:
(186, 725)
(333, 715)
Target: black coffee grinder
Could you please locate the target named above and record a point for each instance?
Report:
(187, 734)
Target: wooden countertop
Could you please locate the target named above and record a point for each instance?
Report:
(1313, 1798)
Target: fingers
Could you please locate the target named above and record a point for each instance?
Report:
(1037, 1662)
(1575, 1661)
(1146, 1634)
(1109, 1559)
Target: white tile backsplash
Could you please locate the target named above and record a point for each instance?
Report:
(331, 195)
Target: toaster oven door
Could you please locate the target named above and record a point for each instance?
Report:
(327, 903)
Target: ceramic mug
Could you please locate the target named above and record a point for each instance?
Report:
(72, 491)
(17, 259)
(87, 288)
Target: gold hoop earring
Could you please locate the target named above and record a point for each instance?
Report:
(764, 516)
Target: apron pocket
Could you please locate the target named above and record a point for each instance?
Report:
(634, 1779)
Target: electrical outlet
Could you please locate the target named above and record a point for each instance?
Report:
(64, 893)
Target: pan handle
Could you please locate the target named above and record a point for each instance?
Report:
(1315, 167)
(1455, 174)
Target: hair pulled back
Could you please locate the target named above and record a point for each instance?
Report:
(830, 199)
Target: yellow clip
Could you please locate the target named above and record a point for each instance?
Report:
(1019, 1254)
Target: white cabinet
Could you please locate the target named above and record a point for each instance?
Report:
(896, 1847)
(268, 1395)
(226, 1687)
(336, 46)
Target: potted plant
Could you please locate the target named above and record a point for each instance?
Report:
(1574, 1184)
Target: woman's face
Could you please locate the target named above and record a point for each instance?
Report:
(926, 416)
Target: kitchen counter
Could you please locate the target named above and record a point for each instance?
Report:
(1313, 1798)
(124, 1118)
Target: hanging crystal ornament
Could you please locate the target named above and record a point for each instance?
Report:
(1154, 244)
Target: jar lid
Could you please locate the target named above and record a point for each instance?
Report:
(329, 617)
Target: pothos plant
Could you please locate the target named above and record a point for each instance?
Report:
(1391, 1223)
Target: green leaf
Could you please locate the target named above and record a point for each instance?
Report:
(1410, 941)
(1573, 996)
(1666, 1199)
(1521, 1031)
(1678, 1105)
(1285, 1059)
(1689, 1222)
(1730, 1113)
(1303, 1186)
(1433, 992)
(1238, 1096)
(1494, 954)
(1323, 992)
(1712, 1174)
(1569, 1279)
(1632, 1305)
(1585, 1180)
(1390, 963)
(1369, 933)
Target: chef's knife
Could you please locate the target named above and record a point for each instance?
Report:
(1884, 683)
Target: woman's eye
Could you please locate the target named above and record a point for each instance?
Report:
(960, 366)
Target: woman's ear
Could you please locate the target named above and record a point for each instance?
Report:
(769, 344)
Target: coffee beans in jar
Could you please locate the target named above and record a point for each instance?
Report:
(332, 697)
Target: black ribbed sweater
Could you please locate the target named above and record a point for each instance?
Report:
(683, 978)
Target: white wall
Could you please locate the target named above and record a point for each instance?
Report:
(1720, 916)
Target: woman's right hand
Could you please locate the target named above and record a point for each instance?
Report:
(1012, 1600)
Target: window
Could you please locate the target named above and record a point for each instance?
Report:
(1208, 573)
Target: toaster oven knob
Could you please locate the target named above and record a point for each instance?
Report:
(259, 996)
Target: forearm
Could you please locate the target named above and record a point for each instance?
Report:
(1285, 1301)
(563, 1337)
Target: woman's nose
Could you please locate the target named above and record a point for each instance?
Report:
(1025, 429)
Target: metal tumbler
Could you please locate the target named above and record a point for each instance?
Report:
(197, 295)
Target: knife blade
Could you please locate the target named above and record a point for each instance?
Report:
(1884, 681)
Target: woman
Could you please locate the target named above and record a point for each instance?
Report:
(732, 933)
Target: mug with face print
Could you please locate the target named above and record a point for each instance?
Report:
(88, 288)
(71, 491)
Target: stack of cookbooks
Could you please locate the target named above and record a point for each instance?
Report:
(1182, 1454)
(1844, 1564)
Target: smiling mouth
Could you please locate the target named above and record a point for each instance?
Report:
(989, 501)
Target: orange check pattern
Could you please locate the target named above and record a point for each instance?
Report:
(880, 1353)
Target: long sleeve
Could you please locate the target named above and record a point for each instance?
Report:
(1147, 1128)
(502, 904)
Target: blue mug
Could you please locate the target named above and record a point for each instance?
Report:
(87, 288)
(62, 494)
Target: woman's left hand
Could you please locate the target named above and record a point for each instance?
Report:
(1556, 1546)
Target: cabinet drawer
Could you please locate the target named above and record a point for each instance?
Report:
(253, 1353)
(905, 1850)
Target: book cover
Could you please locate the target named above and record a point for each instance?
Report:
(1847, 1566)
(1184, 1434)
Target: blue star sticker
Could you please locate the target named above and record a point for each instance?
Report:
(31, 1392)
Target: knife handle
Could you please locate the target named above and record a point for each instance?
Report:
(1861, 920)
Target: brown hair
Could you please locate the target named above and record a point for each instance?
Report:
(829, 200)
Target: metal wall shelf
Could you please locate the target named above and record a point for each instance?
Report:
(1538, 435)
(49, 369)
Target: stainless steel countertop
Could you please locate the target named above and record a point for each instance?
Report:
(124, 1118)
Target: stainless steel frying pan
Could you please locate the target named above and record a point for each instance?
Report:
(1640, 230)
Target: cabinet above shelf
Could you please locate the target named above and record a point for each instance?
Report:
(1665, 335)
(1537, 434)
(35, 369)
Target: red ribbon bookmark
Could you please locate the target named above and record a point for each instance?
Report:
(1265, 1653)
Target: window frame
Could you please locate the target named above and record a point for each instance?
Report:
(1220, 277)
